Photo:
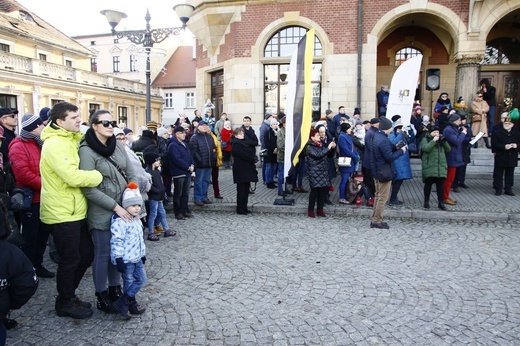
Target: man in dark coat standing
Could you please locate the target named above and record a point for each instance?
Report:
(383, 155)
(244, 169)
(504, 143)
(204, 152)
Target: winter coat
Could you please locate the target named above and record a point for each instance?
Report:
(501, 137)
(61, 198)
(490, 94)
(219, 161)
(142, 143)
(180, 158)
(103, 198)
(144, 180)
(434, 164)
(455, 139)
(463, 111)
(244, 159)
(479, 107)
(317, 165)
(367, 155)
(346, 148)
(203, 150)
(270, 145)
(280, 145)
(9, 136)
(162, 146)
(25, 155)
(157, 190)
(403, 168)
(383, 153)
(127, 240)
(225, 137)
(265, 126)
(18, 281)
(250, 135)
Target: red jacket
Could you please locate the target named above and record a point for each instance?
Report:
(25, 155)
(225, 136)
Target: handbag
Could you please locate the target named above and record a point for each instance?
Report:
(223, 144)
(476, 118)
(345, 161)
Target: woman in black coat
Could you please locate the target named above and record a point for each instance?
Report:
(317, 169)
(504, 143)
(244, 168)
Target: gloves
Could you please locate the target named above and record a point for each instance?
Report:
(143, 259)
(120, 265)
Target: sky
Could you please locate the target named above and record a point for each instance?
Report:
(76, 18)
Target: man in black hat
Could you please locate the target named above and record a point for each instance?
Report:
(9, 121)
(181, 167)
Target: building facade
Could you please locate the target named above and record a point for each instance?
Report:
(244, 48)
(40, 66)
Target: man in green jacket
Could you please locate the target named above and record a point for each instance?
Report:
(63, 207)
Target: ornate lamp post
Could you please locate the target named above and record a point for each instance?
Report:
(148, 37)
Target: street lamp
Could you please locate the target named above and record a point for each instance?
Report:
(148, 37)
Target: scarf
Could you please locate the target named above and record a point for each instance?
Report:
(95, 144)
(28, 135)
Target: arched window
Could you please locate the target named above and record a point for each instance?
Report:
(282, 45)
(501, 51)
(404, 54)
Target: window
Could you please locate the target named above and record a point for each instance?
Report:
(94, 106)
(168, 100)
(190, 100)
(133, 63)
(115, 63)
(68, 63)
(42, 57)
(93, 64)
(282, 44)
(55, 101)
(8, 101)
(92, 43)
(404, 54)
(122, 114)
(4, 47)
(502, 51)
(116, 40)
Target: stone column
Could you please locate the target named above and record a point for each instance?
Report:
(466, 84)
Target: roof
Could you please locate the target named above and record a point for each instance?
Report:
(179, 70)
(18, 20)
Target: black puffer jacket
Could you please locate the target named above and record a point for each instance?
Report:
(18, 281)
(203, 150)
(317, 165)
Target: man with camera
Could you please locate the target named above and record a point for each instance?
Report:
(455, 135)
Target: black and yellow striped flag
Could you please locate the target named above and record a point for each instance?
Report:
(299, 102)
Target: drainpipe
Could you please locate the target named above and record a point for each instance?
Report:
(359, 49)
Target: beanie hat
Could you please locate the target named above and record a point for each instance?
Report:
(418, 107)
(514, 114)
(161, 131)
(374, 121)
(398, 123)
(384, 124)
(151, 156)
(357, 111)
(178, 129)
(425, 118)
(267, 115)
(344, 127)
(44, 113)
(152, 125)
(31, 122)
(148, 134)
(433, 128)
(328, 111)
(273, 121)
(396, 117)
(460, 99)
(454, 117)
(131, 195)
(126, 130)
(118, 131)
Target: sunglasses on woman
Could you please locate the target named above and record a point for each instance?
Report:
(106, 123)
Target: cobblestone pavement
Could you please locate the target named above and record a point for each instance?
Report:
(282, 279)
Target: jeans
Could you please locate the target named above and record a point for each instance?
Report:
(200, 186)
(382, 195)
(35, 235)
(181, 194)
(102, 267)
(156, 212)
(343, 184)
(76, 251)
(134, 278)
(281, 179)
(270, 170)
(491, 118)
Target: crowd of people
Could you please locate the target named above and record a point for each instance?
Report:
(96, 191)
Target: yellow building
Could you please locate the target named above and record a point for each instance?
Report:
(40, 66)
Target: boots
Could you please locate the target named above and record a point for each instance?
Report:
(104, 303)
(122, 304)
(70, 308)
(134, 308)
(486, 140)
(115, 292)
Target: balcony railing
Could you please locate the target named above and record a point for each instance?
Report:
(18, 63)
